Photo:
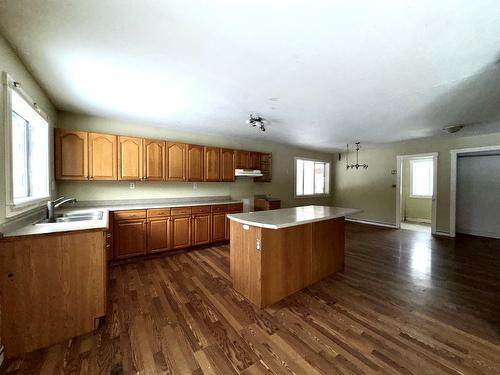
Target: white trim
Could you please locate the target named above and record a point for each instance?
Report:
(369, 222)
(295, 178)
(444, 234)
(453, 179)
(12, 209)
(399, 185)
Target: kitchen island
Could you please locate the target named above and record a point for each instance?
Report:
(276, 253)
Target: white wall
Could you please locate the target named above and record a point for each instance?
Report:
(478, 195)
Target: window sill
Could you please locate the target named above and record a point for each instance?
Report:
(313, 196)
(420, 196)
(22, 204)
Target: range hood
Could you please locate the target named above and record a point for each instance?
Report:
(248, 173)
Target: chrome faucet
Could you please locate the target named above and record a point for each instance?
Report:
(52, 205)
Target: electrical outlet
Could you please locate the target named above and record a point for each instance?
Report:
(132, 185)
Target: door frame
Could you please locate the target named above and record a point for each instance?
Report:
(453, 179)
(399, 185)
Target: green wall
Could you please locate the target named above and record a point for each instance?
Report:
(413, 208)
(373, 190)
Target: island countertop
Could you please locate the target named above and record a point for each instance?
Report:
(289, 217)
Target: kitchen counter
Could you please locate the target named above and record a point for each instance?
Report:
(276, 253)
(32, 229)
(289, 217)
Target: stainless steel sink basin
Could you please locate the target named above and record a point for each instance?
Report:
(73, 216)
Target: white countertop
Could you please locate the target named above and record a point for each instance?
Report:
(289, 217)
(32, 229)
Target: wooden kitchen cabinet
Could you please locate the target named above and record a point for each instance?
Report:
(130, 162)
(154, 160)
(218, 226)
(103, 158)
(158, 234)
(71, 154)
(130, 237)
(254, 160)
(201, 229)
(212, 163)
(195, 162)
(226, 165)
(176, 161)
(180, 231)
(242, 159)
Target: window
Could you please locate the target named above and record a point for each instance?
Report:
(29, 152)
(312, 177)
(421, 178)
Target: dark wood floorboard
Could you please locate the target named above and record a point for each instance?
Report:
(407, 303)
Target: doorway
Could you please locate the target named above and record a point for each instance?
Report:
(416, 189)
(474, 197)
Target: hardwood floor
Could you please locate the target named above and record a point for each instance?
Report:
(407, 303)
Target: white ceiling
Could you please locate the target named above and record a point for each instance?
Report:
(323, 72)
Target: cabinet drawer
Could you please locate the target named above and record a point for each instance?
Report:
(179, 211)
(236, 207)
(132, 214)
(220, 208)
(158, 212)
(200, 210)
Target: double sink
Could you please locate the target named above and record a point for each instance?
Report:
(72, 217)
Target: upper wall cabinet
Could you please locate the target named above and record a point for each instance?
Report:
(195, 158)
(241, 159)
(71, 155)
(176, 161)
(254, 160)
(130, 164)
(226, 165)
(212, 163)
(154, 160)
(102, 156)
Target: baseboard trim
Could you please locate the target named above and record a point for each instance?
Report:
(479, 233)
(417, 220)
(369, 222)
(444, 234)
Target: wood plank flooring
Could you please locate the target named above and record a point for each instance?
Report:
(407, 303)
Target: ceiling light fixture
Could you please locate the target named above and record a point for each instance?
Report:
(357, 165)
(453, 128)
(256, 121)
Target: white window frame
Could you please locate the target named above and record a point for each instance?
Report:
(14, 209)
(411, 195)
(327, 178)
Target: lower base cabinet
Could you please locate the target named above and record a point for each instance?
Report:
(218, 227)
(158, 235)
(181, 231)
(129, 238)
(140, 232)
(201, 229)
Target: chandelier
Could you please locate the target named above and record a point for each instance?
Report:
(357, 165)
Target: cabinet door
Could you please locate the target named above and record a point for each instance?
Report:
(129, 158)
(212, 164)
(71, 155)
(154, 160)
(226, 165)
(158, 234)
(242, 159)
(176, 161)
(129, 238)
(201, 229)
(181, 231)
(254, 160)
(218, 227)
(102, 156)
(195, 158)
